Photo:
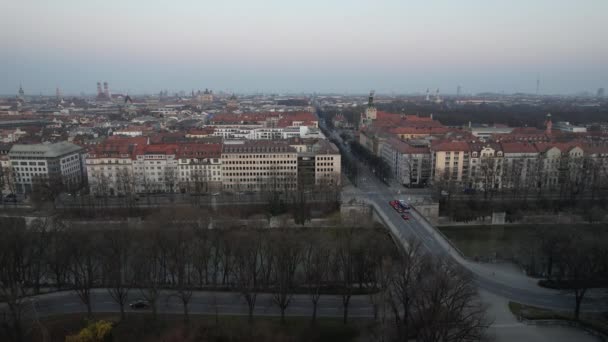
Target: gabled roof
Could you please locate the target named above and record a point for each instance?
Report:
(449, 145)
(406, 148)
(518, 147)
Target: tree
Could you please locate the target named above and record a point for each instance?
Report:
(100, 331)
(181, 255)
(40, 231)
(148, 271)
(582, 264)
(171, 178)
(14, 271)
(447, 307)
(202, 254)
(248, 267)
(287, 254)
(116, 252)
(553, 241)
(46, 189)
(84, 266)
(316, 263)
(344, 266)
(301, 210)
(405, 280)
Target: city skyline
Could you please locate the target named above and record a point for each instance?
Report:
(341, 47)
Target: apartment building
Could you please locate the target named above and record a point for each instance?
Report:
(199, 167)
(258, 165)
(110, 169)
(328, 164)
(61, 164)
(485, 166)
(449, 161)
(520, 166)
(155, 168)
(410, 164)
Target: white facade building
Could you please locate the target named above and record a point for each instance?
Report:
(61, 164)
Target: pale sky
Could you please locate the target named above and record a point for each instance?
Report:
(401, 46)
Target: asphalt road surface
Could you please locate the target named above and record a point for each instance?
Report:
(222, 303)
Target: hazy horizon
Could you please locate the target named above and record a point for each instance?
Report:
(314, 46)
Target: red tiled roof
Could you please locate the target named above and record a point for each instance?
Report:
(518, 147)
(117, 139)
(446, 145)
(156, 149)
(405, 148)
(202, 131)
(419, 130)
(199, 150)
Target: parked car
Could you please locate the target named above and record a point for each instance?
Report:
(405, 217)
(140, 305)
(10, 198)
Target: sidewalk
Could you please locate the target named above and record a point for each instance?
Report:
(506, 328)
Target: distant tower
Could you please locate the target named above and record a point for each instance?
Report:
(370, 112)
(600, 92)
(428, 96)
(106, 90)
(99, 91)
(537, 84)
(437, 98)
(58, 93)
(21, 95)
(458, 90)
(548, 124)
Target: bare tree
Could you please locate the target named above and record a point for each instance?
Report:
(58, 253)
(84, 267)
(148, 271)
(317, 264)
(39, 231)
(181, 265)
(248, 267)
(14, 270)
(447, 307)
(404, 282)
(202, 254)
(287, 255)
(344, 265)
(582, 262)
(116, 249)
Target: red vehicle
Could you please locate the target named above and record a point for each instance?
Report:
(405, 217)
(395, 206)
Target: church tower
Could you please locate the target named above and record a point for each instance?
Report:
(21, 95)
(548, 124)
(370, 112)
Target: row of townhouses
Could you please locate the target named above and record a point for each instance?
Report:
(128, 165)
(496, 165)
